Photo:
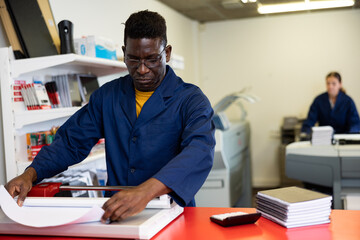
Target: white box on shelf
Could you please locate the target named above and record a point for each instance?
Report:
(93, 46)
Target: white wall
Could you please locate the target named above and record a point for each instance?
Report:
(106, 17)
(285, 60)
(3, 43)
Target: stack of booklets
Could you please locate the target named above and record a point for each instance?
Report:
(76, 177)
(36, 140)
(35, 96)
(74, 89)
(294, 207)
(322, 135)
(68, 89)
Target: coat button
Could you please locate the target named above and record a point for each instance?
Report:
(132, 170)
(134, 139)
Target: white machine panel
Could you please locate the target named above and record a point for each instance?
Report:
(229, 181)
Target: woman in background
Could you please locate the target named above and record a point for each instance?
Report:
(333, 108)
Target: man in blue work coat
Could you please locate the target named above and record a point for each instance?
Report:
(158, 130)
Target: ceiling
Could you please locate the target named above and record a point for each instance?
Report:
(213, 10)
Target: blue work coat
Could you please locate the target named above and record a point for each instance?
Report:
(344, 117)
(172, 140)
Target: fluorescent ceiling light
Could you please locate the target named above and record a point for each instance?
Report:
(303, 6)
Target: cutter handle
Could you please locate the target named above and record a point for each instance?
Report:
(45, 189)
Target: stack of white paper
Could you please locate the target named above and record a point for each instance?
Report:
(322, 135)
(294, 207)
(47, 216)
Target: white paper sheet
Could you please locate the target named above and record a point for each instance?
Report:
(47, 216)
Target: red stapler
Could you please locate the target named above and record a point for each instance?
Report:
(51, 188)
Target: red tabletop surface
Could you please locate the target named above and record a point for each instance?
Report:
(194, 224)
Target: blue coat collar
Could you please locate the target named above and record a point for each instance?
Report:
(339, 99)
(155, 104)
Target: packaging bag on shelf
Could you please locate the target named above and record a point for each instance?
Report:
(93, 46)
(36, 140)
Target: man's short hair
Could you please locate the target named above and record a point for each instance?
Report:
(145, 24)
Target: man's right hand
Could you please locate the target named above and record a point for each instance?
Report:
(21, 185)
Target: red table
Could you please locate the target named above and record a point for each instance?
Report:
(194, 224)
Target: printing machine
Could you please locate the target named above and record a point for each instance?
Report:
(229, 183)
(336, 166)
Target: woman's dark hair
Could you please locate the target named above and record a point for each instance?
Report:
(337, 76)
(145, 24)
(334, 74)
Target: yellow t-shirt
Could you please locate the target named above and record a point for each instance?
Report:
(140, 99)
